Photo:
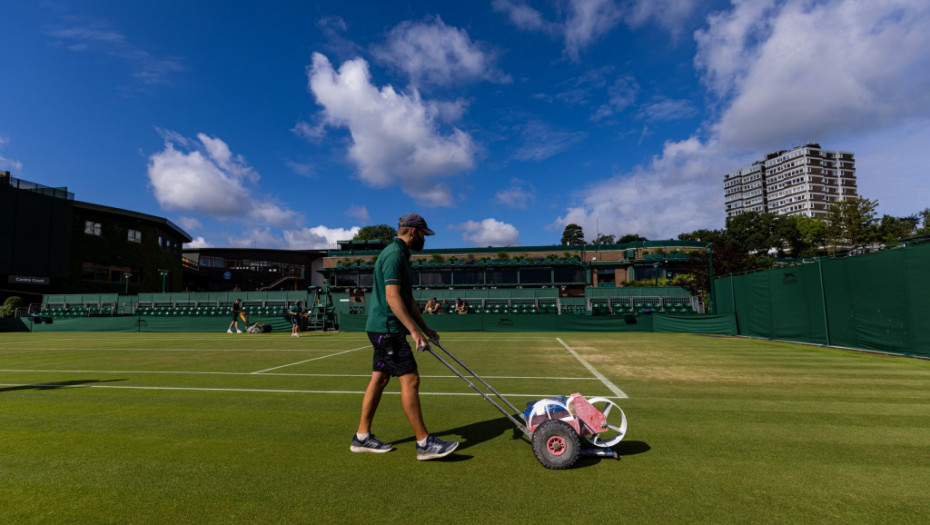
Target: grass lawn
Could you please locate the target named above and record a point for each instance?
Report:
(219, 428)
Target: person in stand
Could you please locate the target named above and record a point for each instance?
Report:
(430, 305)
(236, 311)
(294, 313)
(460, 307)
(392, 314)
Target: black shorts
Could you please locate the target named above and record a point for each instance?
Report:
(392, 354)
(235, 315)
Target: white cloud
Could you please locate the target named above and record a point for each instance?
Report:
(190, 223)
(620, 95)
(489, 232)
(256, 238)
(524, 17)
(396, 137)
(582, 22)
(8, 164)
(670, 15)
(359, 212)
(850, 75)
(539, 141)
(519, 195)
(304, 169)
(205, 177)
(679, 191)
(432, 52)
(817, 71)
(318, 237)
(198, 242)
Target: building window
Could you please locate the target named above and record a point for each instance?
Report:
(93, 228)
(135, 236)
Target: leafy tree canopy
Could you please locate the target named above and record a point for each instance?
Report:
(380, 232)
(573, 234)
(631, 237)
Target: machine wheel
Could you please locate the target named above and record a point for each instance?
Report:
(616, 423)
(556, 444)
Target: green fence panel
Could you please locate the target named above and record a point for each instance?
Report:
(696, 324)
(880, 301)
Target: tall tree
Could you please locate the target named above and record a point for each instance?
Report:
(753, 232)
(603, 239)
(853, 221)
(893, 229)
(379, 232)
(573, 234)
(924, 222)
(631, 237)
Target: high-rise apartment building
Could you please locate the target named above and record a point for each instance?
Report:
(804, 181)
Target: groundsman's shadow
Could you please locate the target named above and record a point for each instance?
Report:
(58, 384)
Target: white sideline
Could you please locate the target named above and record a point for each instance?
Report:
(308, 360)
(613, 388)
(279, 374)
(259, 390)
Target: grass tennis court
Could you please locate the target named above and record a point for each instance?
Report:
(219, 428)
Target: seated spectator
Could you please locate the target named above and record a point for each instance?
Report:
(432, 306)
(445, 307)
(461, 307)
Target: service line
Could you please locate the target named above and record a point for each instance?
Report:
(613, 388)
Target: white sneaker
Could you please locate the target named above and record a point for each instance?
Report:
(229, 331)
(238, 331)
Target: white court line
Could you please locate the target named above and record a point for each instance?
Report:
(613, 388)
(279, 374)
(308, 360)
(259, 390)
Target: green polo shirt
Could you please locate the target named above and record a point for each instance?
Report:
(392, 267)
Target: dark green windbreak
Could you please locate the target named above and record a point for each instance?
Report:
(878, 301)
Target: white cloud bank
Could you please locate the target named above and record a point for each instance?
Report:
(489, 232)
(203, 176)
(396, 137)
(843, 73)
(433, 53)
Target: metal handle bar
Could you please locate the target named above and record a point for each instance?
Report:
(519, 424)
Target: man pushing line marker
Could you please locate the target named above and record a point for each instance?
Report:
(392, 314)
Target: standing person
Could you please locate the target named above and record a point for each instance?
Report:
(294, 317)
(392, 314)
(236, 310)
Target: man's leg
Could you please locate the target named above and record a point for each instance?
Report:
(376, 385)
(410, 400)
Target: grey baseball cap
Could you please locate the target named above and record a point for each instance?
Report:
(412, 220)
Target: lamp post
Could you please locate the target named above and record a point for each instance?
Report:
(163, 273)
(127, 275)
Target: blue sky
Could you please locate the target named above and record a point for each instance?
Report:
(291, 124)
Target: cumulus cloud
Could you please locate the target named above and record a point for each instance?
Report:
(198, 242)
(846, 74)
(396, 137)
(190, 223)
(318, 237)
(489, 232)
(519, 195)
(431, 52)
(816, 70)
(204, 176)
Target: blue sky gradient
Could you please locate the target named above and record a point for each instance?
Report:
(291, 124)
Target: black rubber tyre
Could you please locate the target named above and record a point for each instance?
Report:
(556, 444)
